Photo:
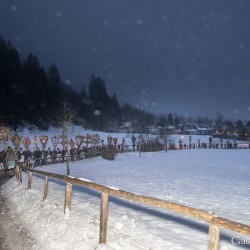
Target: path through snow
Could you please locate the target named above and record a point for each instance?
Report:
(13, 236)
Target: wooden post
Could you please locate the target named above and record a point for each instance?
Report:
(45, 193)
(29, 180)
(103, 218)
(68, 196)
(17, 173)
(213, 237)
(20, 175)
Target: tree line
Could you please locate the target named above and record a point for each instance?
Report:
(30, 93)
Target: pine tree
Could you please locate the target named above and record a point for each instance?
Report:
(10, 88)
(101, 102)
(35, 85)
(54, 90)
(170, 119)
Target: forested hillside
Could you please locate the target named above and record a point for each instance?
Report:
(30, 93)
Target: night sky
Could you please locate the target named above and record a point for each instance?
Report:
(180, 56)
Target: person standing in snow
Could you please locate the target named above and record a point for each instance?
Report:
(54, 154)
(1, 160)
(37, 157)
(11, 159)
(20, 155)
(49, 155)
(44, 156)
(27, 154)
(58, 155)
(4, 153)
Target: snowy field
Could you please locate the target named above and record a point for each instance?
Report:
(215, 180)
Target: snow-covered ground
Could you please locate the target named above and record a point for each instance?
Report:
(215, 180)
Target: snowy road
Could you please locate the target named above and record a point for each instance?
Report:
(12, 235)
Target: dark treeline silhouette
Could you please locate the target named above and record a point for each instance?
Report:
(30, 93)
(27, 91)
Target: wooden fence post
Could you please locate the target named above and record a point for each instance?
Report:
(68, 196)
(17, 172)
(45, 193)
(29, 180)
(213, 237)
(20, 175)
(103, 218)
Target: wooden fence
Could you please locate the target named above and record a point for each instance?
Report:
(215, 222)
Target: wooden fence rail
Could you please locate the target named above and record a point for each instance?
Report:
(215, 222)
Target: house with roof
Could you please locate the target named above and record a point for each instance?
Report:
(196, 130)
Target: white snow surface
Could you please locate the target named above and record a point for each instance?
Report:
(215, 180)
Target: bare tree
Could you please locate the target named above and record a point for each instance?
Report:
(65, 117)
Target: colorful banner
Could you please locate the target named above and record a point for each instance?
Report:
(26, 142)
(44, 140)
(16, 140)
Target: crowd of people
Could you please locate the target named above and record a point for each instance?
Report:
(9, 158)
(221, 144)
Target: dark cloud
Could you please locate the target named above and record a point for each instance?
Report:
(189, 57)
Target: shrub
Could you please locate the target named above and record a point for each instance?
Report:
(109, 152)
